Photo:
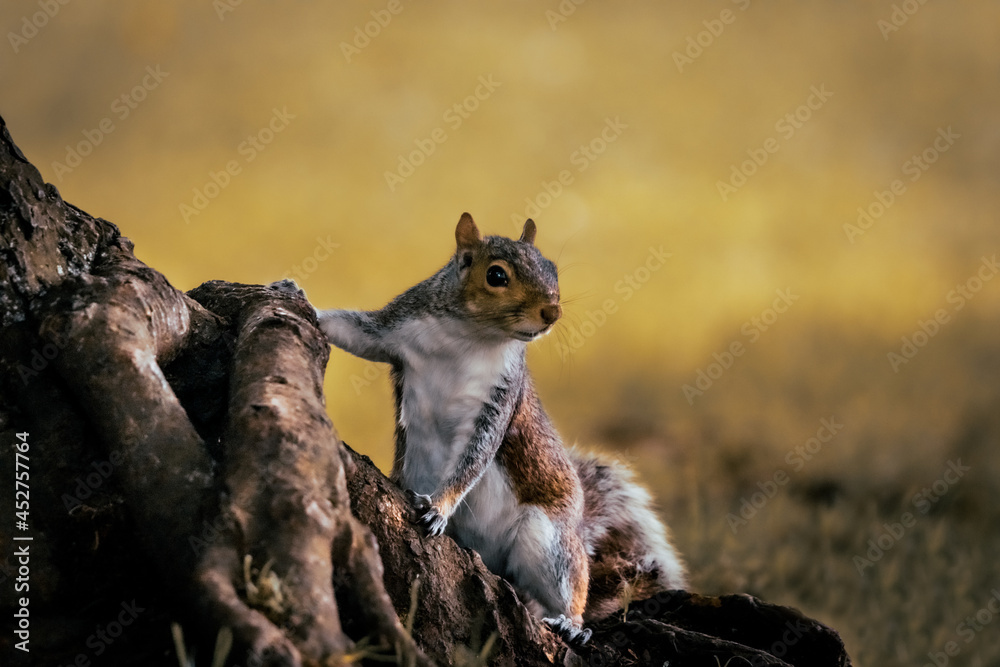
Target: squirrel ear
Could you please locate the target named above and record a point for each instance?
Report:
(467, 234)
(528, 235)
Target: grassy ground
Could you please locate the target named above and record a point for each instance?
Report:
(913, 469)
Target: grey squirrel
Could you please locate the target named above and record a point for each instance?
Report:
(476, 452)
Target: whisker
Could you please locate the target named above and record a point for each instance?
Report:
(566, 243)
(579, 297)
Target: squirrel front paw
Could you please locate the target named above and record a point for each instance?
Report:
(428, 516)
(288, 286)
(574, 636)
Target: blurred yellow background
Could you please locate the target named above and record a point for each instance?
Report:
(338, 143)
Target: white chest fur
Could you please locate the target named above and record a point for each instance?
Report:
(448, 374)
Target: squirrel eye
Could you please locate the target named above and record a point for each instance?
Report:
(496, 276)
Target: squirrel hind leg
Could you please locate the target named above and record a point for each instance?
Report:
(549, 564)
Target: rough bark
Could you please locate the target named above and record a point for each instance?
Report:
(460, 604)
(183, 469)
(244, 539)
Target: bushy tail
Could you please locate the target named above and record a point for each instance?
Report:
(629, 547)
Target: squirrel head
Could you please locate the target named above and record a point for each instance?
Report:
(506, 285)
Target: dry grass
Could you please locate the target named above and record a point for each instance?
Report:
(799, 547)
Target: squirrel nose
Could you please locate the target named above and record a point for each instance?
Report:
(551, 313)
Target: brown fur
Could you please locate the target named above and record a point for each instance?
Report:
(482, 299)
(537, 465)
(519, 299)
(579, 577)
(615, 577)
(619, 564)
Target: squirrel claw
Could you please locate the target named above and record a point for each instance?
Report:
(574, 636)
(429, 517)
(433, 522)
